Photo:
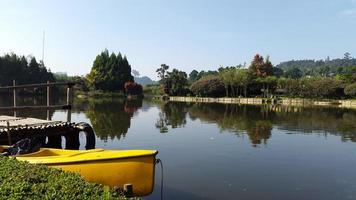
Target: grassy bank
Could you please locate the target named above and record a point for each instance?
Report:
(21, 180)
(99, 94)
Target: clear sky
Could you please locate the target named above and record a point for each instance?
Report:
(185, 34)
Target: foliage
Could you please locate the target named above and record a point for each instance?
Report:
(210, 86)
(133, 88)
(174, 82)
(236, 80)
(260, 67)
(109, 72)
(21, 180)
(23, 70)
(193, 76)
(325, 67)
(293, 73)
(177, 82)
(153, 90)
(347, 74)
(313, 87)
(350, 90)
(81, 82)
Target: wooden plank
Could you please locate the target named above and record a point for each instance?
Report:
(27, 122)
(8, 118)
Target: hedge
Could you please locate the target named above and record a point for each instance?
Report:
(21, 180)
(351, 90)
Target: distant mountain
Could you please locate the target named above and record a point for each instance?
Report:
(144, 80)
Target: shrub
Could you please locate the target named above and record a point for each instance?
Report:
(327, 88)
(350, 90)
(133, 88)
(210, 86)
(21, 180)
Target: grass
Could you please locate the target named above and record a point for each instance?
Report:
(21, 180)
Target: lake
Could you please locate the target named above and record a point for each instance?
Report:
(218, 151)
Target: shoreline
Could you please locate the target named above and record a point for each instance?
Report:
(262, 101)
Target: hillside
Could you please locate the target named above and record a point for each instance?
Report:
(316, 65)
(144, 80)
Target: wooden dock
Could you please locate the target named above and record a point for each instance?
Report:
(49, 133)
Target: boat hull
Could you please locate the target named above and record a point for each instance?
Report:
(113, 168)
(138, 171)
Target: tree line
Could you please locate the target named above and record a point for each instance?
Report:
(109, 73)
(263, 79)
(25, 70)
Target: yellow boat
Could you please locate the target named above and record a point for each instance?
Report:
(114, 168)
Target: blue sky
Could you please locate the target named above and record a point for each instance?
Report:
(185, 34)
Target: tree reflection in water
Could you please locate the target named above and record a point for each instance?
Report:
(172, 115)
(258, 121)
(111, 118)
(240, 119)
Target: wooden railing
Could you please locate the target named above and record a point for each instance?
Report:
(47, 85)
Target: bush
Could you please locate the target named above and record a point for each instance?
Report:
(152, 90)
(326, 88)
(133, 88)
(350, 90)
(21, 180)
(209, 86)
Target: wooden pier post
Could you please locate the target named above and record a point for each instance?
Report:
(48, 94)
(68, 95)
(128, 190)
(69, 103)
(48, 100)
(14, 93)
(8, 133)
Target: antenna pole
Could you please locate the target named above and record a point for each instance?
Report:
(43, 41)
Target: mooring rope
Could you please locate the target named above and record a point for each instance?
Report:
(160, 162)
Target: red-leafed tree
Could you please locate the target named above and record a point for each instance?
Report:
(133, 88)
(260, 67)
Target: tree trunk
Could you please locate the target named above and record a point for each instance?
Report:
(232, 91)
(227, 91)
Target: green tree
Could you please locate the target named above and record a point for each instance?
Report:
(23, 70)
(110, 72)
(209, 86)
(350, 90)
(226, 75)
(162, 73)
(294, 73)
(177, 81)
(193, 76)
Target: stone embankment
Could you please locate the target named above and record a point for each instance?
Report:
(260, 101)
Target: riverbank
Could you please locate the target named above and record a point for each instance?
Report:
(21, 180)
(260, 101)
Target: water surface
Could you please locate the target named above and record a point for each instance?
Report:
(217, 151)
